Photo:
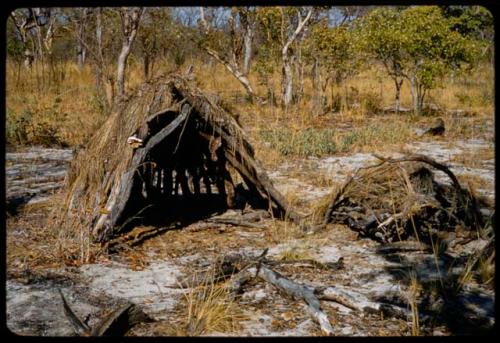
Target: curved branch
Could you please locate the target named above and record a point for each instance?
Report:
(300, 27)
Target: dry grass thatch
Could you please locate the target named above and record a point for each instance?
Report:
(400, 198)
(181, 131)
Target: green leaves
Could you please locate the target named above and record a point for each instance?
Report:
(337, 49)
(418, 43)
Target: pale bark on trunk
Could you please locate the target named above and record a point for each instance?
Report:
(23, 25)
(49, 34)
(287, 83)
(99, 62)
(287, 76)
(130, 25)
(233, 70)
(397, 75)
(232, 65)
(28, 59)
(248, 35)
(247, 41)
(417, 95)
(417, 89)
(122, 60)
(299, 71)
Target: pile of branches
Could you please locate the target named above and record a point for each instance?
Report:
(399, 198)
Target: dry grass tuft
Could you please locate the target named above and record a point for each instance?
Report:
(486, 269)
(34, 241)
(210, 308)
(480, 267)
(320, 206)
(412, 296)
(282, 232)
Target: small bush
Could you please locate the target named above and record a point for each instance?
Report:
(16, 127)
(371, 103)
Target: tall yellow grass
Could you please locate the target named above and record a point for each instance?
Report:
(66, 106)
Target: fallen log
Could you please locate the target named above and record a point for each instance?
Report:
(256, 215)
(299, 291)
(117, 323)
(361, 303)
(237, 282)
(296, 290)
(200, 226)
(79, 326)
(241, 269)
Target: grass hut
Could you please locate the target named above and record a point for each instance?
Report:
(166, 157)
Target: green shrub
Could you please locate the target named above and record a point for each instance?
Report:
(17, 127)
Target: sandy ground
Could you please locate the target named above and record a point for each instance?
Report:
(371, 275)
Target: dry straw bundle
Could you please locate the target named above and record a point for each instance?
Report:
(400, 198)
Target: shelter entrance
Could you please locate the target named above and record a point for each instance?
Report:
(184, 178)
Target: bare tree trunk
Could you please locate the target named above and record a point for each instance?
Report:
(317, 96)
(23, 24)
(287, 83)
(421, 91)
(80, 56)
(398, 84)
(248, 24)
(81, 48)
(418, 92)
(49, 34)
(28, 59)
(99, 63)
(414, 94)
(130, 25)
(247, 42)
(287, 76)
(122, 60)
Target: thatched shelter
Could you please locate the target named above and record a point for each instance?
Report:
(399, 198)
(170, 154)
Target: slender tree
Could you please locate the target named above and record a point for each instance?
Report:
(289, 34)
(130, 19)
